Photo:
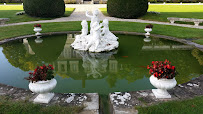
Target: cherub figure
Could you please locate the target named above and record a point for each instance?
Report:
(84, 33)
(95, 38)
(106, 33)
(94, 18)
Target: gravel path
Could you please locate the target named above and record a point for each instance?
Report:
(79, 15)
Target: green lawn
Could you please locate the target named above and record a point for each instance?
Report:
(8, 106)
(184, 11)
(179, 32)
(10, 12)
(192, 106)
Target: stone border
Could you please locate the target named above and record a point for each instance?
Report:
(187, 42)
(90, 101)
(145, 98)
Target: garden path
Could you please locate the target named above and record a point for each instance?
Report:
(79, 15)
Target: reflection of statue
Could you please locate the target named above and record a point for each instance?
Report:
(28, 47)
(99, 40)
(95, 62)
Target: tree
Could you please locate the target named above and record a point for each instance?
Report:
(44, 8)
(127, 8)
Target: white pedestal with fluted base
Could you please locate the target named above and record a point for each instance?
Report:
(43, 88)
(162, 86)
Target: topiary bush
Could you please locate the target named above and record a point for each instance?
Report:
(44, 8)
(127, 8)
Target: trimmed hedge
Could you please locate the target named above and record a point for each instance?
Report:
(44, 8)
(127, 8)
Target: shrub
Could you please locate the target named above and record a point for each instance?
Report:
(44, 8)
(70, 1)
(127, 8)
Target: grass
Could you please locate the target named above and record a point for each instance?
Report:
(179, 32)
(11, 10)
(192, 106)
(182, 11)
(8, 106)
(199, 41)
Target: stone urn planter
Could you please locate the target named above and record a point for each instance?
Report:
(148, 30)
(42, 82)
(162, 77)
(43, 88)
(37, 30)
(162, 86)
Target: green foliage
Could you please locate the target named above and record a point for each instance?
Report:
(127, 8)
(7, 106)
(192, 106)
(44, 8)
(70, 1)
(9, 11)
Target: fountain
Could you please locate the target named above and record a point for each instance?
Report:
(100, 38)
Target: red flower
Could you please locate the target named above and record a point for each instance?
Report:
(173, 67)
(152, 62)
(41, 73)
(162, 69)
(37, 25)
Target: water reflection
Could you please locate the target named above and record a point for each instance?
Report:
(28, 47)
(93, 64)
(147, 38)
(38, 40)
(120, 70)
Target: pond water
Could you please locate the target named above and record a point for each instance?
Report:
(123, 69)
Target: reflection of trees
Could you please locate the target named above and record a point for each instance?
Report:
(198, 55)
(128, 72)
(18, 57)
(187, 66)
(29, 55)
(50, 49)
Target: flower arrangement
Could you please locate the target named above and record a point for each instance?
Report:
(37, 25)
(41, 73)
(162, 69)
(149, 26)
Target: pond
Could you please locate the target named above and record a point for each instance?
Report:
(123, 69)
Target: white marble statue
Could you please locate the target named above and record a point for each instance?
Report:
(105, 31)
(79, 38)
(100, 38)
(95, 37)
(94, 17)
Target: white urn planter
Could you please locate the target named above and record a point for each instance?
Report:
(43, 88)
(37, 30)
(38, 40)
(148, 30)
(162, 86)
